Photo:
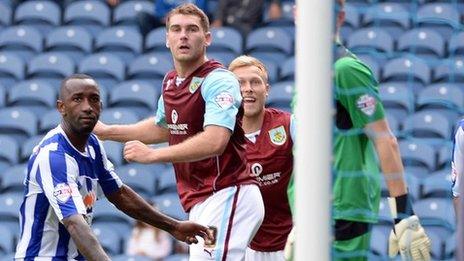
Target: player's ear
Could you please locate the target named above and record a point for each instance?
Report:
(60, 107)
(208, 39)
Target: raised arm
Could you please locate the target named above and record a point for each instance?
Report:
(129, 202)
(84, 238)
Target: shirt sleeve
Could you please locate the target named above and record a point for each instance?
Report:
(293, 128)
(221, 92)
(160, 117)
(58, 179)
(457, 164)
(357, 90)
(108, 180)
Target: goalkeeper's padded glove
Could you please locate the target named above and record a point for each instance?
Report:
(290, 246)
(407, 236)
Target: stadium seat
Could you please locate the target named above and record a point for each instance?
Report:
(437, 185)
(114, 151)
(280, 95)
(446, 99)
(408, 68)
(9, 210)
(52, 67)
(397, 99)
(393, 123)
(42, 15)
(429, 126)
(107, 68)
(436, 212)
(12, 69)
(36, 95)
(370, 40)
(417, 154)
(385, 217)
(443, 17)
(140, 178)
(450, 247)
(122, 41)
(6, 11)
(7, 244)
(379, 240)
(156, 40)
(50, 120)
(73, 41)
(226, 39)
(18, 122)
(224, 57)
(140, 96)
(28, 146)
(352, 16)
(105, 212)
(92, 15)
(24, 41)
(372, 63)
(118, 116)
(450, 70)
(108, 238)
(422, 42)
(437, 246)
(445, 154)
(10, 156)
(167, 180)
(149, 67)
(456, 44)
(393, 17)
(126, 12)
(287, 70)
(270, 42)
(13, 179)
(169, 204)
(2, 96)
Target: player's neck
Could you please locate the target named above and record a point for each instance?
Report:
(78, 140)
(253, 123)
(184, 69)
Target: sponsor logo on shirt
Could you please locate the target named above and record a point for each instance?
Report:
(366, 104)
(62, 192)
(224, 100)
(256, 169)
(278, 135)
(268, 179)
(195, 83)
(174, 128)
(174, 116)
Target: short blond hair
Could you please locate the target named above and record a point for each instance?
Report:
(189, 9)
(245, 60)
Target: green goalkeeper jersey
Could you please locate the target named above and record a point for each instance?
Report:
(356, 185)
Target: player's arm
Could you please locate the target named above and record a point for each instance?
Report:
(457, 167)
(148, 131)
(84, 238)
(129, 202)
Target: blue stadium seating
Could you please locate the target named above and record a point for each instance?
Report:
(169, 204)
(417, 155)
(114, 151)
(49, 121)
(12, 69)
(51, 67)
(445, 156)
(107, 68)
(118, 116)
(140, 96)
(393, 123)
(379, 240)
(140, 178)
(397, 99)
(437, 184)
(429, 126)
(447, 99)
(393, 17)
(156, 40)
(108, 238)
(107, 213)
(224, 57)
(6, 14)
(2, 96)
(450, 246)
(8, 156)
(122, 41)
(73, 41)
(450, 70)
(280, 95)
(287, 70)
(25, 41)
(28, 146)
(167, 180)
(18, 122)
(271, 43)
(372, 63)
(436, 212)
(422, 42)
(407, 69)
(9, 210)
(456, 44)
(13, 179)
(149, 67)
(226, 39)
(36, 95)
(92, 15)
(43, 15)
(443, 17)
(370, 40)
(126, 12)
(352, 16)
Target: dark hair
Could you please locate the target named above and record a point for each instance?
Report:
(189, 9)
(71, 77)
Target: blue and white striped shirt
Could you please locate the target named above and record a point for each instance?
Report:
(61, 182)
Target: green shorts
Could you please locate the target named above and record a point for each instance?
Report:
(355, 249)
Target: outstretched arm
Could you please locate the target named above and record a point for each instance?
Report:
(129, 202)
(84, 238)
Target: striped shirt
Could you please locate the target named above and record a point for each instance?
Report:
(61, 182)
(457, 164)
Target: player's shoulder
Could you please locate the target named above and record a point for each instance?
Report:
(278, 112)
(349, 64)
(220, 74)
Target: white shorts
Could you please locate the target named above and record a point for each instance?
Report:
(237, 212)
(253, 255)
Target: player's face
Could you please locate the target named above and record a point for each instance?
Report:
(81, 105)
(254, 89)
(186, 38)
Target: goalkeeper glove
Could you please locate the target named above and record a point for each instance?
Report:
(408, 236)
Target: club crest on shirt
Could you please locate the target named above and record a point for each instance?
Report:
(278, 135)
(89, 199)
(62, 192)
(366, 104)
(195, 83)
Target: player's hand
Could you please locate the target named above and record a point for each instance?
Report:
(136, 151)
(187, 232)
(290, 245)
(100, 130)
(409, 238)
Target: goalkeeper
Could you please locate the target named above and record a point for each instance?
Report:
(361, 132)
